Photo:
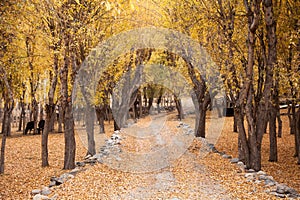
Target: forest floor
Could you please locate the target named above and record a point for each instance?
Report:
(191, 176)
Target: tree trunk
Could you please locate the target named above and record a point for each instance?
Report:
(200, 131)
(50, 113)
(22, 114)
(100, 112)
(66, 105)
(90, 118)
(70, 144)
(235, 126)
(60, 119)
(179, 108)
(297, 136)
(35, 114)
(273, 157)
(9, 106)
(243, 147)
(7, 116)
(279, 123)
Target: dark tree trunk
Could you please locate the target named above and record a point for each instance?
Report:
(60, 119)
(273, 157)
(70, 144)
(35, 114)
(6, 130)
(179, 108)
(90, 118)
(243, 147)
(200, 131)
(100, 112)
(22, 114)
(235, 126)
(297, 137)
(116, 127)
(140, 105)
(279, 123)
(145, 97)
(66, 104)
(9, 106)
(50, 113)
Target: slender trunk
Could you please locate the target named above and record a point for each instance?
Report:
(140, 105)
(70, 143)
(116, 127)
(235, 126)
(35, 114)
(60, 119)
(7, 117)
(100, 112)
(179, 108)
(279, 123)
(66, 104)
(200, 131)
(297, 135)
(22, 114)
(9, 106)
(90, 118)
(243, 148)
(50, 113)
(273, 157)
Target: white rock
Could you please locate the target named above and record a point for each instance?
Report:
(261, 173)
(36, 191)
(40, 197)
(249, 175)
(46, 191)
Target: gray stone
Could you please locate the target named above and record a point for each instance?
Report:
(293, 196)
(46, 191)
(261, 173)
(269, 182)
(257, 182)
(250, 170)
(226, 156)
(234, 160)
(74, 171)
(40, 197)
(240, 163)
(80, 164)
(66, 176)
(249, 175)
(36, 191)
(277, 194)
(282, 189)
(58, 181)
(190, 132)
(52, 183)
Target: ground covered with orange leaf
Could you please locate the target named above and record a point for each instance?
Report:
(193, 175)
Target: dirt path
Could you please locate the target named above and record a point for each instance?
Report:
(168, 164)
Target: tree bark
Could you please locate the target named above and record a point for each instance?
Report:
(297, 137)
(273, 157)
(66, 104)
(50, 112)
(90, 118)
(9, 106)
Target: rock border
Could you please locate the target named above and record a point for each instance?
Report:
(279, 190)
